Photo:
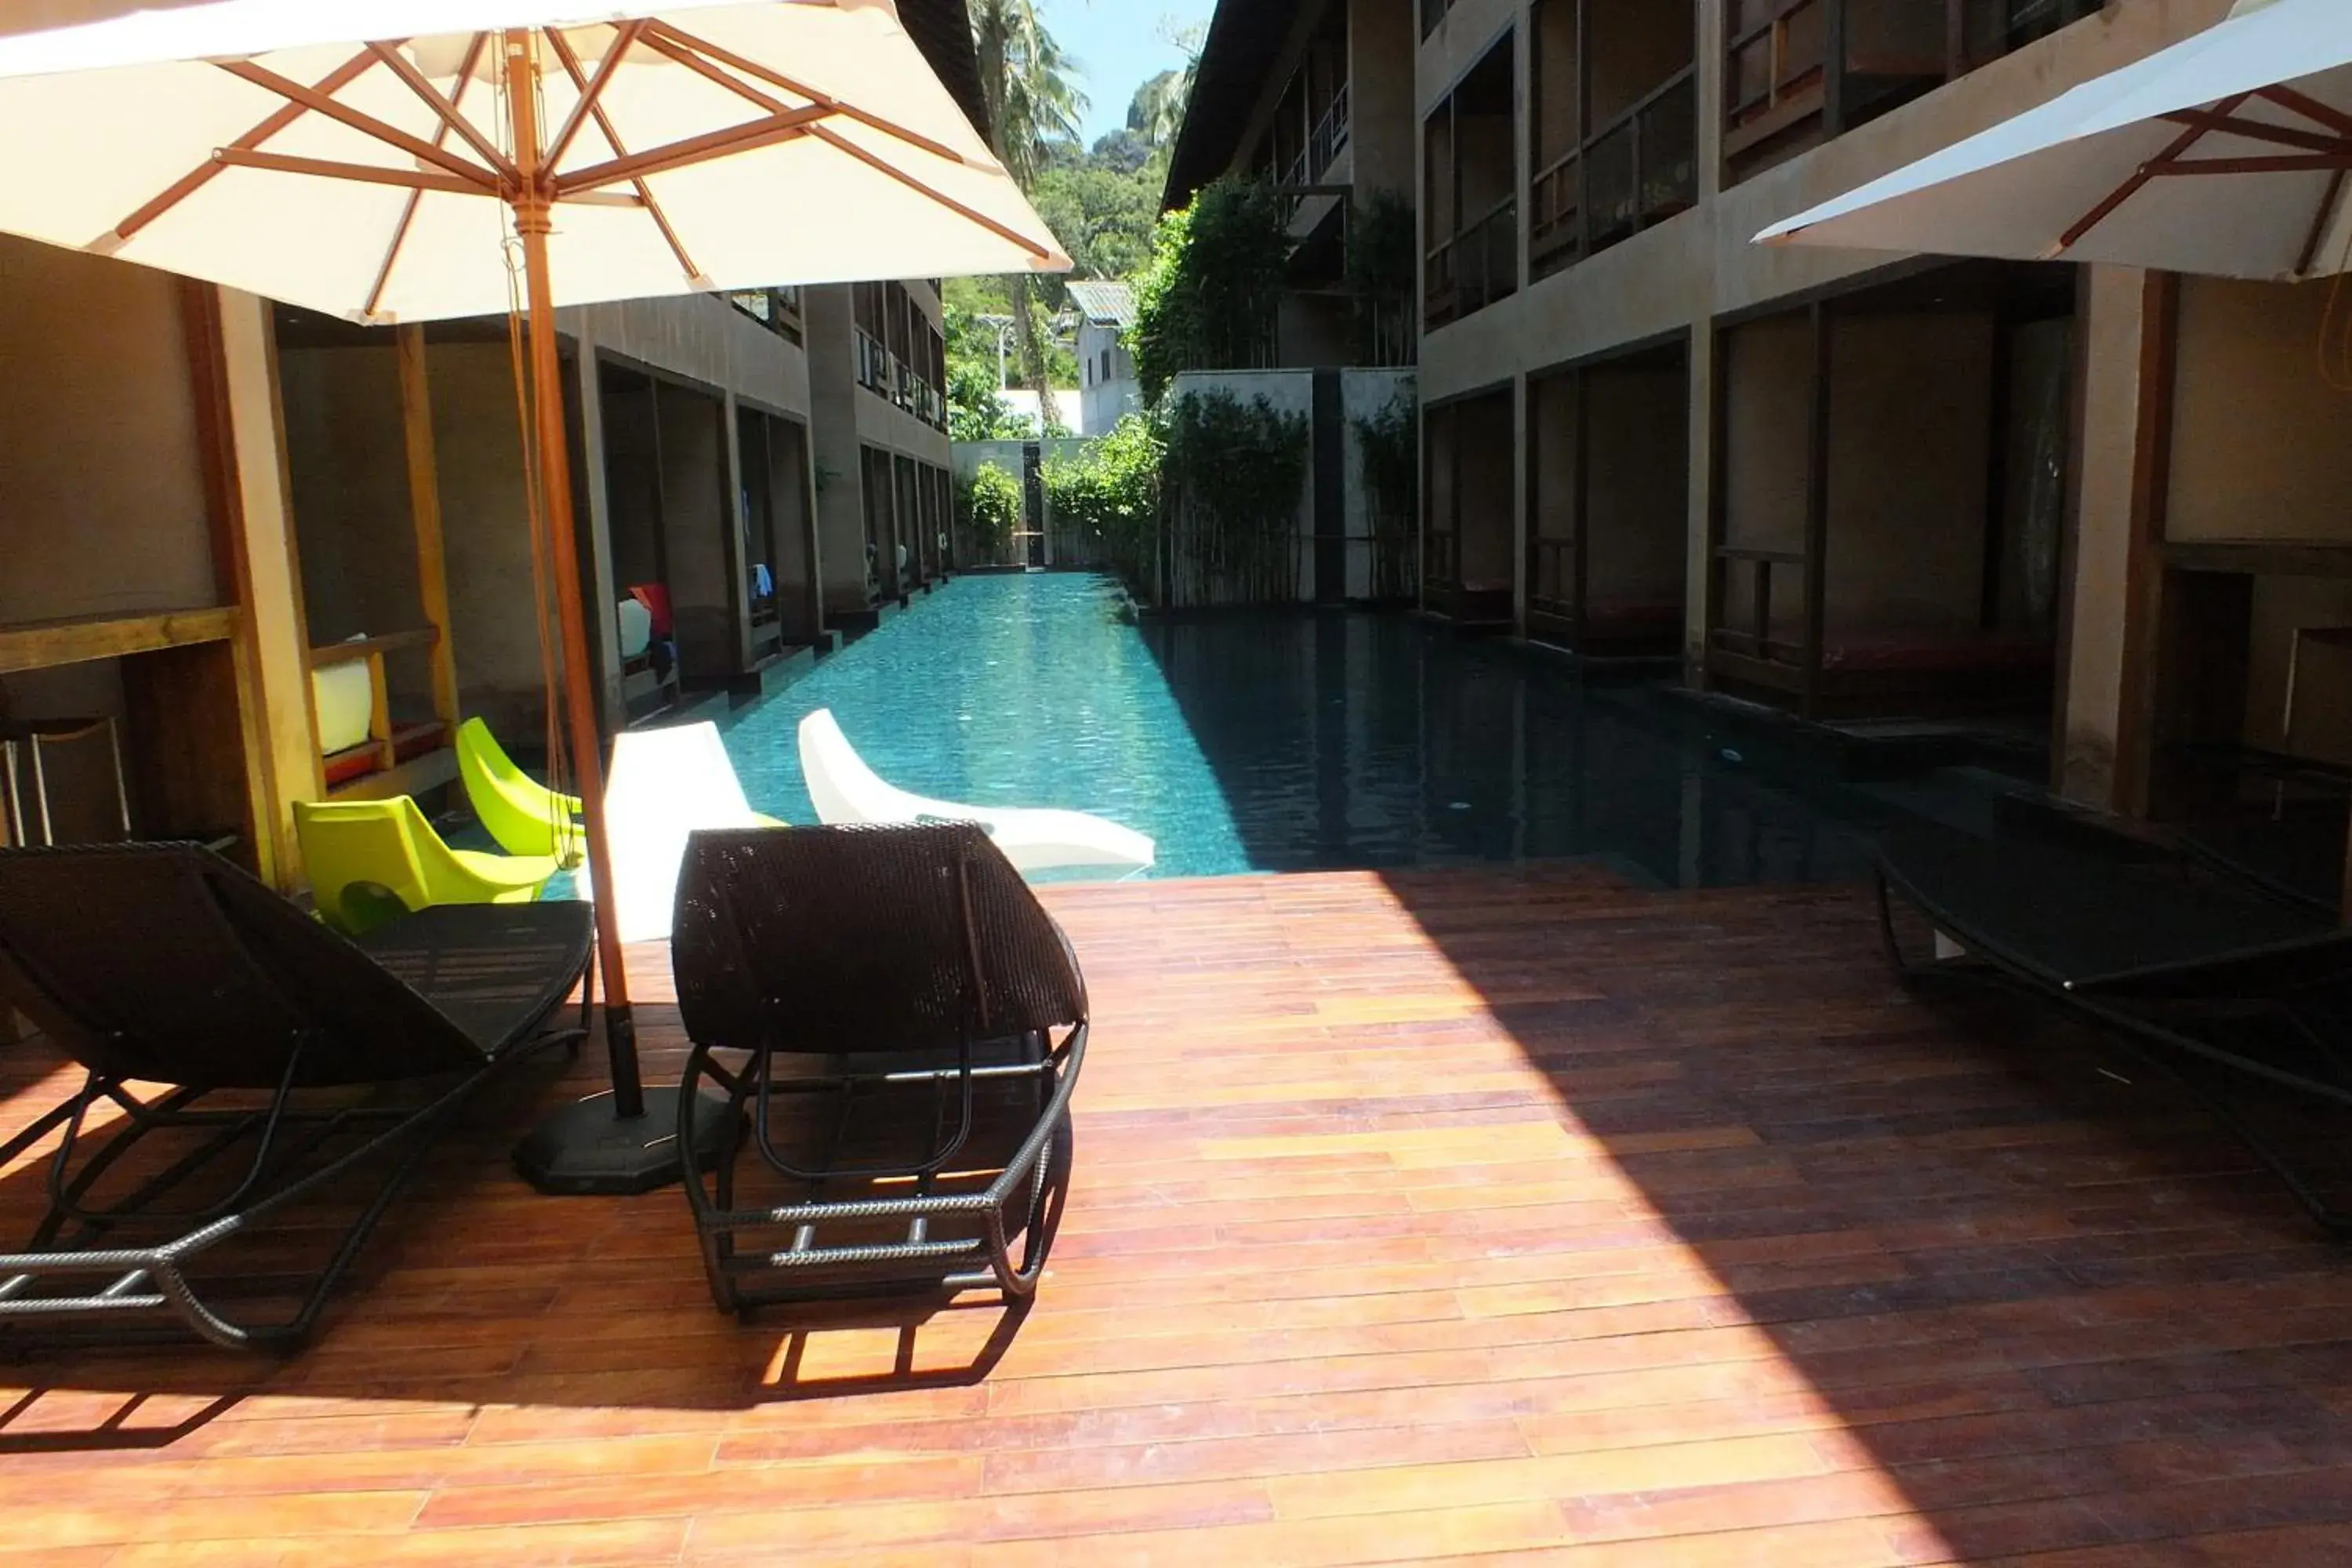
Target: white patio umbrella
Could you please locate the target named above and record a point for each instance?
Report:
(2226, 154)
(408, 160)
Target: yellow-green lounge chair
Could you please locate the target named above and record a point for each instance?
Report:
(524, 816)
(372, 860)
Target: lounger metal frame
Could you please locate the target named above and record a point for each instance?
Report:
(1032, 1178)
(145, 1292)
(2147, 1020)
(962, 984)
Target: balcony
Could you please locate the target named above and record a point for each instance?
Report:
(1478, 267)
(1631, 175)
(1800, 72)
(778, 310)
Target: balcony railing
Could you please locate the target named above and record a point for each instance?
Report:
(1330, 135)
(778, 310)
(1475, 268)
(887, 375)
(1800, 71)
(873, 364)
(1637, 170)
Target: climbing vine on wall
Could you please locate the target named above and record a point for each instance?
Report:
(1208, 299)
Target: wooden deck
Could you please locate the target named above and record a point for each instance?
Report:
(1502, 1216)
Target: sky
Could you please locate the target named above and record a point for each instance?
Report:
(1121, 44)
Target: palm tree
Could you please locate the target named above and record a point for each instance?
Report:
(1033, 99)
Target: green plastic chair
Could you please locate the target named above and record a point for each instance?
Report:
(372, 861)
(524, 816)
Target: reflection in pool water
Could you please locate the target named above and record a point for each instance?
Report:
(1284, 742)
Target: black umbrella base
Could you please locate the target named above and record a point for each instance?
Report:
(585, 1151)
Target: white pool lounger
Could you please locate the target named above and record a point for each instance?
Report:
(846, 791)
(664, 785)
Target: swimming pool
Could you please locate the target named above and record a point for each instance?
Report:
(1287, 741)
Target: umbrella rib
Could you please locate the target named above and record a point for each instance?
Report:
(2310, 108)
(694, 149)
(408, 209)
(2143, 175)
(2319, 222)
(590, 91)
(2285, 163)
(777, 80)
(366, 124)
(589, 94)
(188, 185)
(2256, 131)
(835, 140)
(364, 174)
(709, 72)
(446, 108)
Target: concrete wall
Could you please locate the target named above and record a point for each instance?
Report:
(103, 508)
(485, 533)
(2261, 446)
(1910, 397)
(347, 464)
(1380, 140)
(701, 338)
(1639, 441)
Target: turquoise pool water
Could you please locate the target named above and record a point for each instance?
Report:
(1282, 741)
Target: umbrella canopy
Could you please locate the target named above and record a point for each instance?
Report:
(356, 158)
(2225, 154)
(404, 159)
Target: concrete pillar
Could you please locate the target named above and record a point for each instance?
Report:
(1698, 526)
(2114, 570)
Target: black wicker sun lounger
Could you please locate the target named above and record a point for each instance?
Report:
(897, 998)
(289, 1063)
(2192, 972)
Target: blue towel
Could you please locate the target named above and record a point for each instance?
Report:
(762, 585)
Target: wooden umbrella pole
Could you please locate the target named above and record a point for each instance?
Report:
(534, 218)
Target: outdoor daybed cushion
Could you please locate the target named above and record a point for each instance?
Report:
(345, 702)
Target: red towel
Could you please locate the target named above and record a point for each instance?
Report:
(654, 597)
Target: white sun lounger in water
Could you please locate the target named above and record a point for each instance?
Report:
(665, 783)
(846, 791)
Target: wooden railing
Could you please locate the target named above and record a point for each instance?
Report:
(1551, 576)
(1640, 169)
(1797, 71)
(1756, 641)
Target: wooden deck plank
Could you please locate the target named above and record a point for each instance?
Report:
(1507, 1216)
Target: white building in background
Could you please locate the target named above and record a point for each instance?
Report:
(1021, 403)
(1108, 387)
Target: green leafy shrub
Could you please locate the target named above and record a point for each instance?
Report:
(987, 506)
(1235, 472)
(1389, 443)
(1108, 493)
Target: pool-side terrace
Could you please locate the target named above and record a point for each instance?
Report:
(1499, 1214)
